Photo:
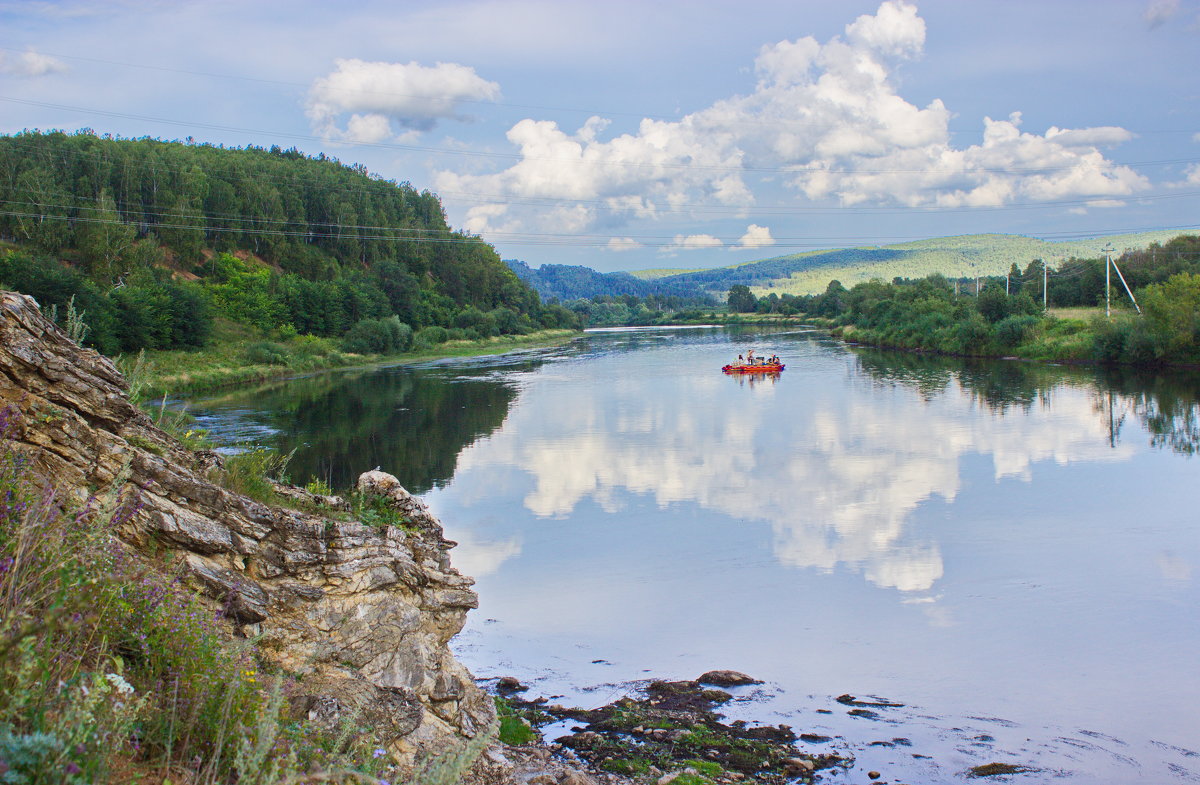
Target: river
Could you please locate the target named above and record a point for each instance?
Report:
(1009, 550)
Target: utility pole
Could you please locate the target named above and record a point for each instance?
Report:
(1127, 289)
(1108, 249)
(1045, 280)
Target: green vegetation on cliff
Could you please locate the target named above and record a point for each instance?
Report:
(112, 671)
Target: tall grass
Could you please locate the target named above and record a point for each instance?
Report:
(109, 664)
(237, 356)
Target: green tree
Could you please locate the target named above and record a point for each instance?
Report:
(41, 217)
(103, 238)
(740, 299)
(182, 230)
(992, 303)
(833, 301)
(1172, 312)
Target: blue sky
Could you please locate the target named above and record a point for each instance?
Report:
(628, 135)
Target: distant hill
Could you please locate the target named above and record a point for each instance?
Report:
(575, 282)
(661, 272)
(959, 256)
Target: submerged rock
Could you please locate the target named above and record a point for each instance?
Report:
(507, 684)
(998, 770)
(727, 679)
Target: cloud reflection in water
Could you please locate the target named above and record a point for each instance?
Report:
(836, 471)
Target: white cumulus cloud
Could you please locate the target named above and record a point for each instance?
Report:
(379, 97)
(30, 63)
(756, 237)
(620, 244)
(691, 242)
(827, 118)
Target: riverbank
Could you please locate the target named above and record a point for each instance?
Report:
(1078, 336)
(243, 357)
(1070, 341)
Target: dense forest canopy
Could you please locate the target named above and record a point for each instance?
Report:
(266, 236)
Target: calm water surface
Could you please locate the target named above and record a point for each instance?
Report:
(1009, 550)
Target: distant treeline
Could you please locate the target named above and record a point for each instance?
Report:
(630, 310)
(576, 282)
(1075, 282)
(153, 238)
(992, 316)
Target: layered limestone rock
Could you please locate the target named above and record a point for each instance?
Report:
(364, 613)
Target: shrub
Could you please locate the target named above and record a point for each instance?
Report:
(313, 346)
(1143, 346)
(247, 473)
(971, 335)
(371, 509)
(515, 730)
(1109, 338)
(266, 353)
(992, 303)
(432, 336)
(378, 336)
(1173, 313)
(463, 334)
(1014, 330)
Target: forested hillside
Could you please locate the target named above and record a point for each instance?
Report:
(576, 282)
(153, 239)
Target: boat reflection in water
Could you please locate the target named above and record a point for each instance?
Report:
(755, 378)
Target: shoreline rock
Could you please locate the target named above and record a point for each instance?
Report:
(674, 729)
(364, 614)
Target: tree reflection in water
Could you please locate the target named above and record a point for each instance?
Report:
(1166, 403)
(412, 425)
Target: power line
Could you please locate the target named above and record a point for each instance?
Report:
(511, 238)
(599, 204)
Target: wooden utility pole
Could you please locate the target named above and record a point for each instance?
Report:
(1045, 280)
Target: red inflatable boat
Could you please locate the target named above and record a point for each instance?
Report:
(757, 368)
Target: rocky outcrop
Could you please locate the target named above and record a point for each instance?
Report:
(364, 613)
